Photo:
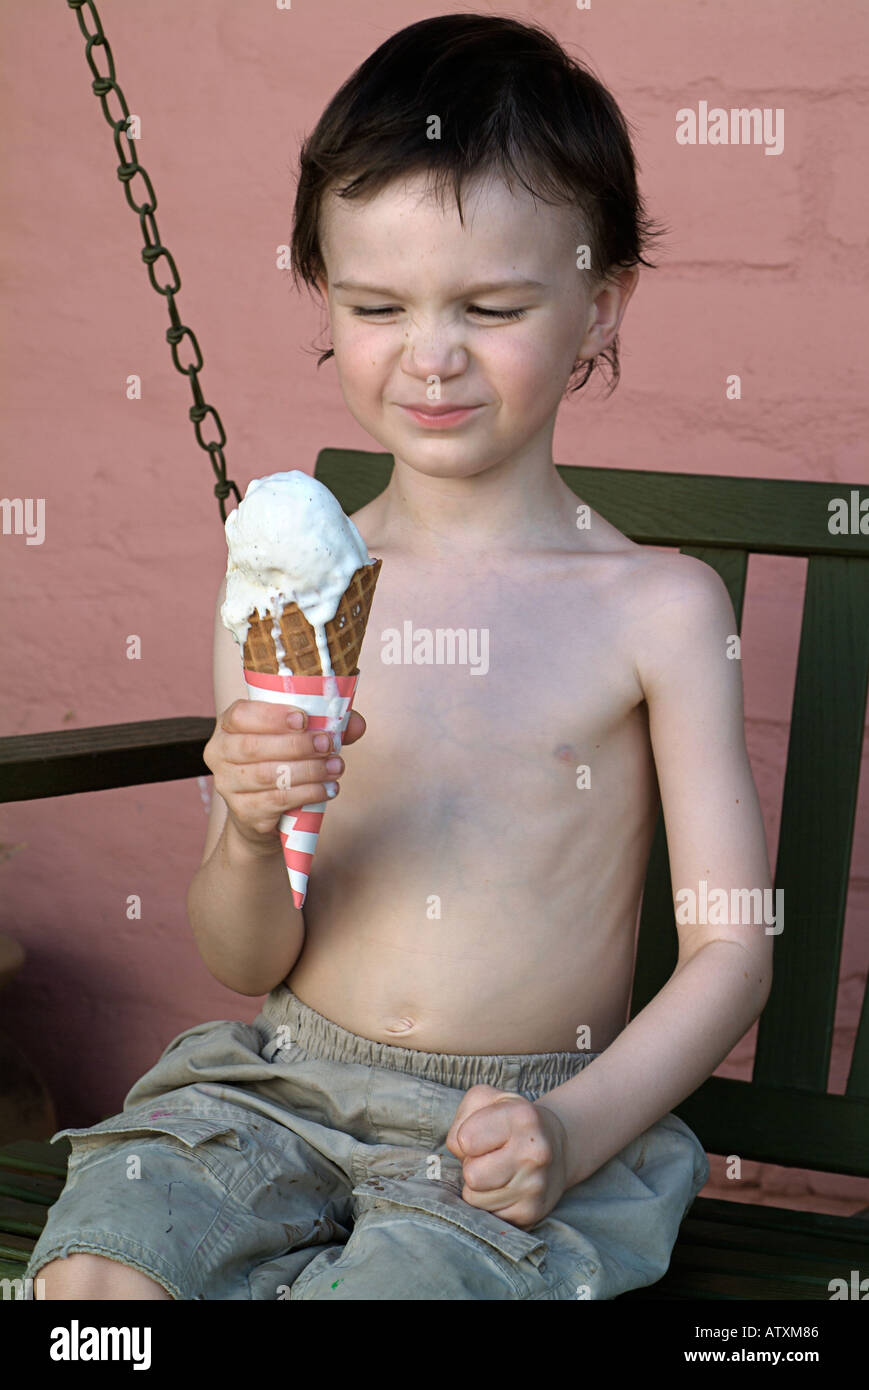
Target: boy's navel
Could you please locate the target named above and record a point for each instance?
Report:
(401, 1025)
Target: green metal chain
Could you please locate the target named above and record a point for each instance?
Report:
(153, 249)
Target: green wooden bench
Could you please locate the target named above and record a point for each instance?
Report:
(784, 1115)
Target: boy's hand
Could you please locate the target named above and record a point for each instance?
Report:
(262, 767)
(513, 1154)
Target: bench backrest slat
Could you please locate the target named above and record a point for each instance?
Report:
(795, 1033)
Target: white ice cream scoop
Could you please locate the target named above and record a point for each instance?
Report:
(289, 541)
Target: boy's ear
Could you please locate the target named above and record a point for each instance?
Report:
(608, 309)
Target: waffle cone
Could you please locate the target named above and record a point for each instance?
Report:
(344, 633)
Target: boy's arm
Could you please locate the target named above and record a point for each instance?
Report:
(714, 833)
(247, 928)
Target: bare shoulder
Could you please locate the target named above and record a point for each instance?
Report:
(682, 619)
(652, 585)
(368, 521)
(676, 586)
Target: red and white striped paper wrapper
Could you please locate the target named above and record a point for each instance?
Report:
(327, 701)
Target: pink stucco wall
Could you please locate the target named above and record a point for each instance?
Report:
(764, 275)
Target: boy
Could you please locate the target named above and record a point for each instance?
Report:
(440, 1098)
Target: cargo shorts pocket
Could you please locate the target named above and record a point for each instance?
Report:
(186, 1132)
(495, 1251)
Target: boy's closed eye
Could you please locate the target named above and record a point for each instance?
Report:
(472, 308)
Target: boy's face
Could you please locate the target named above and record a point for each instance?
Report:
(418, 262)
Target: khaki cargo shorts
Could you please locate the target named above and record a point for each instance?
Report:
(292, 1159)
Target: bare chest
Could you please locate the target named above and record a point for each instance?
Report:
(487, 693)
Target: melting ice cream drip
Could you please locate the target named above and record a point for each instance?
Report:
(330, 690)
(280, 652)
(323, 650)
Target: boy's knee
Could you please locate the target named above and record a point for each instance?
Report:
(82, 1275)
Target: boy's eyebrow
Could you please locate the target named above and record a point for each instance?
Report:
(518, 284)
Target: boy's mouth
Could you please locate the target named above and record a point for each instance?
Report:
(441, 415)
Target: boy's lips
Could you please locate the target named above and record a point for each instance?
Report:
(437, 409)
(442, 417)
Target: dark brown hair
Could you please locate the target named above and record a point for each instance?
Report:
(511, 102)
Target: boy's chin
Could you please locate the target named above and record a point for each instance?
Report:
(444, 462)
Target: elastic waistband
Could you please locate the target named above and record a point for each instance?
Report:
(534, 1072)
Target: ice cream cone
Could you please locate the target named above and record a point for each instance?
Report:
(327, 699)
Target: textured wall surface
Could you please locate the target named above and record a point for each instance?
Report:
(764, 274)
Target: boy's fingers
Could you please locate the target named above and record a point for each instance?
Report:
(284, 776)
(262, 810)
(266, 749)
(263, 717)
(256, 717)
(254, 740)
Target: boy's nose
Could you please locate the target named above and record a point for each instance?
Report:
(442, 355)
